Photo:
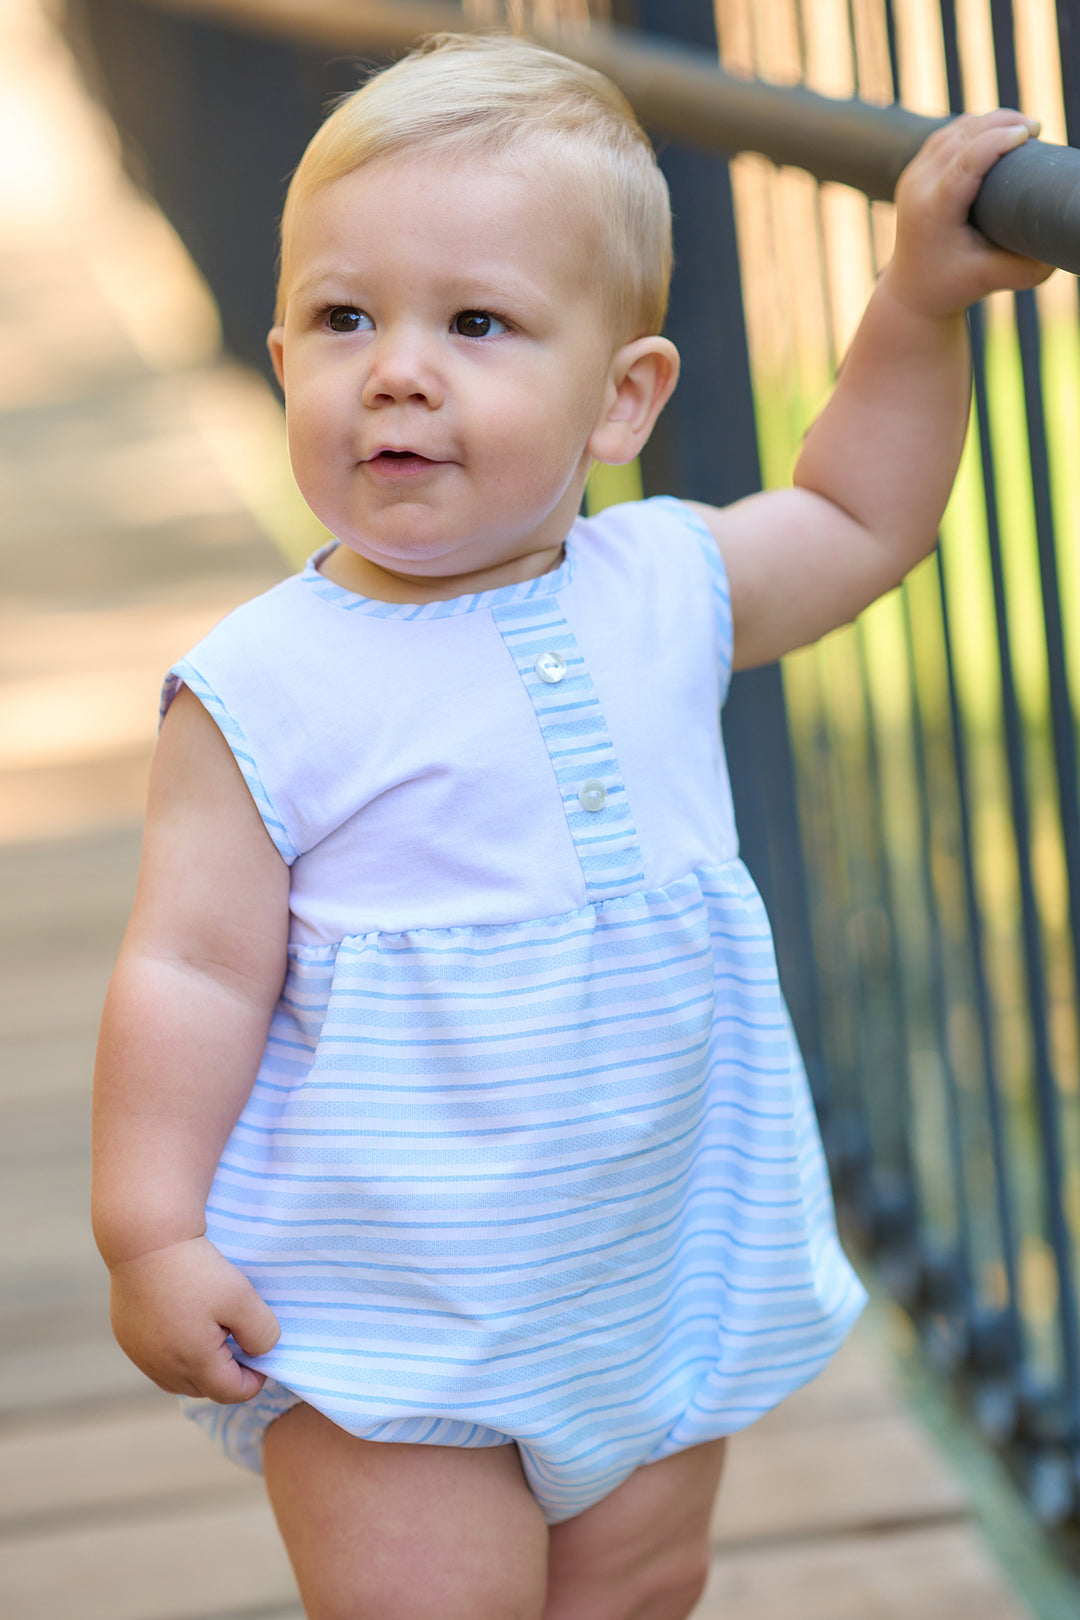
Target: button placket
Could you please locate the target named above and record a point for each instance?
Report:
(554, 675)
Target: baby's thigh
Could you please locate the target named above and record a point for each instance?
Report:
(641, 1553)
(404, 1532)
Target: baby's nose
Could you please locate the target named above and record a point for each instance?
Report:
(403, 370)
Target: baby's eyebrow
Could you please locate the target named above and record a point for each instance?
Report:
(499, 289)
(322, 283)
(499, 286)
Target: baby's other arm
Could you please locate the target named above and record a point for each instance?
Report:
(876, 468)
(185, 1022)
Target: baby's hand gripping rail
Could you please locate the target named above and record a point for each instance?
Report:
(1029, 202)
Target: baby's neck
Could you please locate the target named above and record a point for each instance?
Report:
(364, 578)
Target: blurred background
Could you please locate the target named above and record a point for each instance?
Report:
(907, 790)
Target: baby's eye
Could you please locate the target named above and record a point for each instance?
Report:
(344, 318)
(477, 323)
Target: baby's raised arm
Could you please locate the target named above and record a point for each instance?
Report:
(877, 466)
(185, 1022)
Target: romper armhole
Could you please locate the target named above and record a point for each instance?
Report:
(185, 674)
(721, 589)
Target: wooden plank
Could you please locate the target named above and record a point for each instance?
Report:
(39, 1069)
(142, 637)
(855, 1384)
(866, 1474)
(59, 799)
(291, 1612)
(68, 888)
(66, 1376)
(66, 1000)
(188, 1565)
(102, 1462)
(941, 1573)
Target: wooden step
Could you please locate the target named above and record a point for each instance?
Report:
(162, 1563)
(941, 1572)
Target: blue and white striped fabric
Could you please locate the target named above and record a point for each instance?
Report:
(552, 1180)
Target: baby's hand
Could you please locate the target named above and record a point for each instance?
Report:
(941, 263)
(173, 1311)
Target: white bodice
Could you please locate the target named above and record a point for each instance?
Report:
(403, 756)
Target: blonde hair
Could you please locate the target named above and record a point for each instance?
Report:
(494, 95)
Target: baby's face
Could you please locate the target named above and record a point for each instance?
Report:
(445, 361)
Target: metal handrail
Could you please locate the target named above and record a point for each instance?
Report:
(1029, 203)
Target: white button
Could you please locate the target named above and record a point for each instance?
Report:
(592, 795)
(551, 667)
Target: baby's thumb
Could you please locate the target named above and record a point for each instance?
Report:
(252, 1323)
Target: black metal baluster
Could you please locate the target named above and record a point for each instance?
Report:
(950, 1277)
(895, 1203)
(705, 448)
(996, 1346)
(1045, 1085)
(1044, 1423)
(850, 1137)
(997, 1341)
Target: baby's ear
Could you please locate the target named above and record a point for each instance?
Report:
(642, 376)
(275, 342)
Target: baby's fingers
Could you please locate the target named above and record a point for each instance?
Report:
(991, 138)
(941, 263)
(250, 1320)
(241, 1314)
(223, 1378)
(1012, 272)
(956, 159)
(254, 1327)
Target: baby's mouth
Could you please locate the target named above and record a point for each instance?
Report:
(391, 466)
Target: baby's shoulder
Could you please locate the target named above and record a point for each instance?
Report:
(276, 641)
(647, 517)
(252, 627)
(660, 540)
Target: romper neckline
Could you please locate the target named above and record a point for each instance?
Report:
(502, 596)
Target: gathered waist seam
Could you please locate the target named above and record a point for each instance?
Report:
(600, 909)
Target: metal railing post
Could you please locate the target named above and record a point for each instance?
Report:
(705, 448)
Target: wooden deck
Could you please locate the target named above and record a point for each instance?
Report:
(124, 537)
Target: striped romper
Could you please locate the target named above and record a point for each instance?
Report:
(530, 1156)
